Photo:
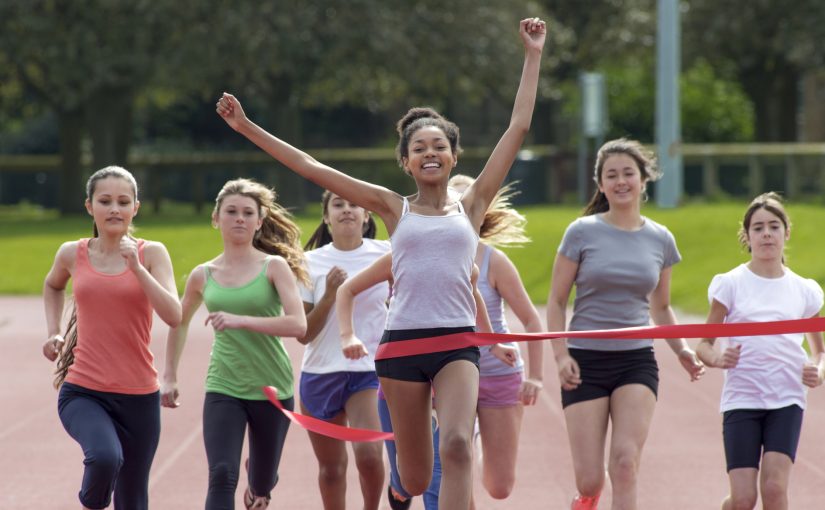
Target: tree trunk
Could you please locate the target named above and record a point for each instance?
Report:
(109, 118)
(813, 107)
(775, 96)
(286, 117)
(70, 133)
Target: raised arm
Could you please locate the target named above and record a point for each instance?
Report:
(318, 313)
(375, 273)
(378, 199)
(54, 296)
(479, 195)
(662, 314)
(176, 339)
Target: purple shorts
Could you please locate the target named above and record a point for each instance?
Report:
(325, 395)
(499, 390)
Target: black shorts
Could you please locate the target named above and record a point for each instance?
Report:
(422, 367)
(604, 371)
(749, 432)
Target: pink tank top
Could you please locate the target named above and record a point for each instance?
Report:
(114, 320)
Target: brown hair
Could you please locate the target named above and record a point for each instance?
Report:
(502, 225)
(278, 235)
(421, 117)
(644, 159)
(771, 202)
(65, 358)
(322, 235)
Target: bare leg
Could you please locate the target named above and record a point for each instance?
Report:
(742, 489)
(362, 413)
(500, 427)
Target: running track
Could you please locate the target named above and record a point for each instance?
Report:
(683, 464)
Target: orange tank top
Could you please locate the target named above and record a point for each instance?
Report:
(114, 321)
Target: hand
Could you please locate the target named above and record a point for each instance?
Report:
(529, 392)
(729, 358)
(505, 353)
(223, 320)
(533, 32)
(691, 363)
(811, 375)
(129, 251)
(569, 374)
(353, 348)
(169, 394)
(52, 347)
(229, 108)
(335, 278)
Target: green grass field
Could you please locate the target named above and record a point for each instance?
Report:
(705, 234)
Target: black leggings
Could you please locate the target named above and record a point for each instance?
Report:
(225, 419)
(119, 435)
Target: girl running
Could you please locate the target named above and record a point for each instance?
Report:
(620, 263)
(251, 294)
(109, 400)
(334, 388)
(434, 241)
(764, 394)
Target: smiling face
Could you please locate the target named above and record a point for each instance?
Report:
(766, 235)
(621, 181)
(345, 219)
(430, 156)
(112, 205)
(238, 218)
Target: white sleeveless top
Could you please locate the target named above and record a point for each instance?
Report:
(432, 262)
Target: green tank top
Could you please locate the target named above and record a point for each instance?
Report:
(243, 361)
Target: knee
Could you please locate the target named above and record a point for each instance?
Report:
(332, 472)
(623, 467)
(455, 449)
(370, 461)
(106, 461)
(740, 502)
(500, 488)
(774, 491)
(223, 474)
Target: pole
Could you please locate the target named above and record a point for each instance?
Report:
(668, 121)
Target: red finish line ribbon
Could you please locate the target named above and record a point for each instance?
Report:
(463, 340)
(325, 428)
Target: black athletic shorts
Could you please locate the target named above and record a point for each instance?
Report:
(749, 432)
(422, 367)
(604, 371)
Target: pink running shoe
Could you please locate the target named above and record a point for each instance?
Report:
(585, 502)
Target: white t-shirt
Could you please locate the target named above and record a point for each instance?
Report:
(769, 372)
(323, 354)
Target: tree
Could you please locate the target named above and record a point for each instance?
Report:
(767, 45)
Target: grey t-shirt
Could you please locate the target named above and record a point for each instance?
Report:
(618, 270)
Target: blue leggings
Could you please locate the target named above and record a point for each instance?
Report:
(119, 435)
(225, 420)
(431, 494)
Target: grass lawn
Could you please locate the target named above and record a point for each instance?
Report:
(705, 234)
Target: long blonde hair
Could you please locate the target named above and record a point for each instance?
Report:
(502, 225)
(65, 358)
(278, 235)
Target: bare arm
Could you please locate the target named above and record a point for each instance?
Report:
(564, 274)
(705, 350)
(378, 199)
(508, 284)
(176, 339)
(291, 323)
(662, 314)
(318, 313)
(158, 282)
(479, 195)
(813, 373)
(54, 296)
(380, 270)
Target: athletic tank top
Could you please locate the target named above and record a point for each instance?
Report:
(114, 321)
(243, 361)
(432, 261)
(489, 365)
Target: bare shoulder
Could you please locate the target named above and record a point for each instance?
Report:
(67, 254)
(154, 249)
